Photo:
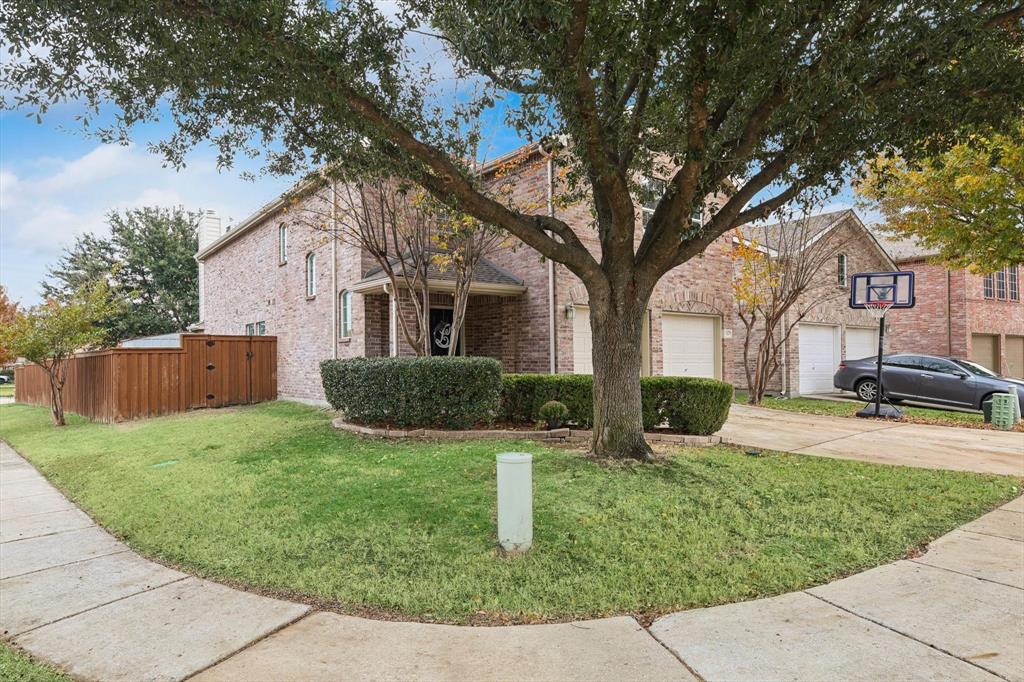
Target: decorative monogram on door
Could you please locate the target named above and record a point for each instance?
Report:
(443, 335)
(441, 339)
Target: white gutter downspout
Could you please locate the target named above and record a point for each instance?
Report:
(392, 319)
(785, 361)
(334, 269)
(551, 272)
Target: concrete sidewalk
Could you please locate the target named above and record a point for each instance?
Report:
(73, 595)
(919, 445)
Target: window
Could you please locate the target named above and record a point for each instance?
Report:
(1001, 284)
(697, 217)
(310, 275)
(652, 189)
(250, 329)
(841, 269)
(940, 366)
(282, 243)
(1014, 286)
(256, 329)
(989, 286)
(345, 316)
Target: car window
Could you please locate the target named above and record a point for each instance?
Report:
(975, 368)
(905, 361)
(937, 365)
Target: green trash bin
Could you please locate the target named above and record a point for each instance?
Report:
(1002, 411)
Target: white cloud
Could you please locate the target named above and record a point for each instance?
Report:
(45, 203)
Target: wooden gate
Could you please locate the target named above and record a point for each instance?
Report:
(129, 383)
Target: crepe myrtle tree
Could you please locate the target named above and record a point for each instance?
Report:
(760, 101)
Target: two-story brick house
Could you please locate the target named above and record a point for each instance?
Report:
(959, 313)
(824, 327)
(326, 299)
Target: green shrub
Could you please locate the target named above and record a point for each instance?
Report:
(688, 404)
(554, 413)
(443, 392)
(522, 396)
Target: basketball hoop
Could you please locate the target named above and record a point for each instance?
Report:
(878, 309)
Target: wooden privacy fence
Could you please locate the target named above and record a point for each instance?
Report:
(130, 383)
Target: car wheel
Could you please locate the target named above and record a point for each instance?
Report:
(867, 389)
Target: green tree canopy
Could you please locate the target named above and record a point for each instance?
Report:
(149, 262)
(761, 101)
(966, 202)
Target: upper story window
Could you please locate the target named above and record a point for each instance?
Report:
(310, 275)
(345, 316)
(841, 274)
(654, 189)
(256, 329)
(1002, 284)
(282, 243)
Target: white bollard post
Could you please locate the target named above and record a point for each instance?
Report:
(515, 501)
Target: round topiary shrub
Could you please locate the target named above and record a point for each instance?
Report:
(439, 392)
(553, 413)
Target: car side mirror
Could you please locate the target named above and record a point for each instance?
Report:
(961, 375)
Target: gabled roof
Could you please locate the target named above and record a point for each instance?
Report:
(818, 226)
(903, 249)
(488, 277)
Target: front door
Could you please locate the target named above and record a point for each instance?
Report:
(441, 332)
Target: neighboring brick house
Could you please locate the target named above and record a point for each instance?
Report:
(958, 313)
(325, 299)
(831, 330)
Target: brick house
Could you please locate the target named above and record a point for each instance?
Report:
(325, 299)
(959, 313)
(830, 331)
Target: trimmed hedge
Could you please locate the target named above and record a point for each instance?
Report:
(451, 393)
(688, 404)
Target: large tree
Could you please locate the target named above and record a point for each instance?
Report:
(759, 100)
(148, 261)
(966, 202)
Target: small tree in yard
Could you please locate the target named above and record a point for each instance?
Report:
(755, 102)
(49, 334)
(778, 280)
(464, 241)
(8, 312)
(394, 224)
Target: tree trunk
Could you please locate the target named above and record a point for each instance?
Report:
(617, 357)
(56, 397)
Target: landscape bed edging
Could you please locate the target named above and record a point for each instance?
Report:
(548, 435)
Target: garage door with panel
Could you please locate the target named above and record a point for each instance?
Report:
(819, 357)
(1015, 357)
(582, 342)
(984, 351)
(690, 346)
(861, 342)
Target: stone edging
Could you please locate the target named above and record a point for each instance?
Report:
(553, 435)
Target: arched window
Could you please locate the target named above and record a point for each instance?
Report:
(345, 313)
(310, 275)
(282, 243)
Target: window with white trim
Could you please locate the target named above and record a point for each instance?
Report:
(310, 275)
(653, 190)
(250, 329)
(1001, 284)
(988, 286)
(1013, 284)
(256, 328)
(282, 243)
(841, 263)
(345, 313)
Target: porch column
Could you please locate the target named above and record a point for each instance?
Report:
(392, 322)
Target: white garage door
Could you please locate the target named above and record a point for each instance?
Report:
(690, 345)
(582, 342)
(861, 343)
(818, 357)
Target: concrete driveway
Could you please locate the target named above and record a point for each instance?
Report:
(919, 445)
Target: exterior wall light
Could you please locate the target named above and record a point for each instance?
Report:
(570, 311)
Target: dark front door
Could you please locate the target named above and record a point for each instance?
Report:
(441, 331)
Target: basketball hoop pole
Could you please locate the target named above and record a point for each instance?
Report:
(881, 345)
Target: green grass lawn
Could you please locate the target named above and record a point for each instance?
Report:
(6, 390)
(17, 667)
(271, 496)
(849, 408)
